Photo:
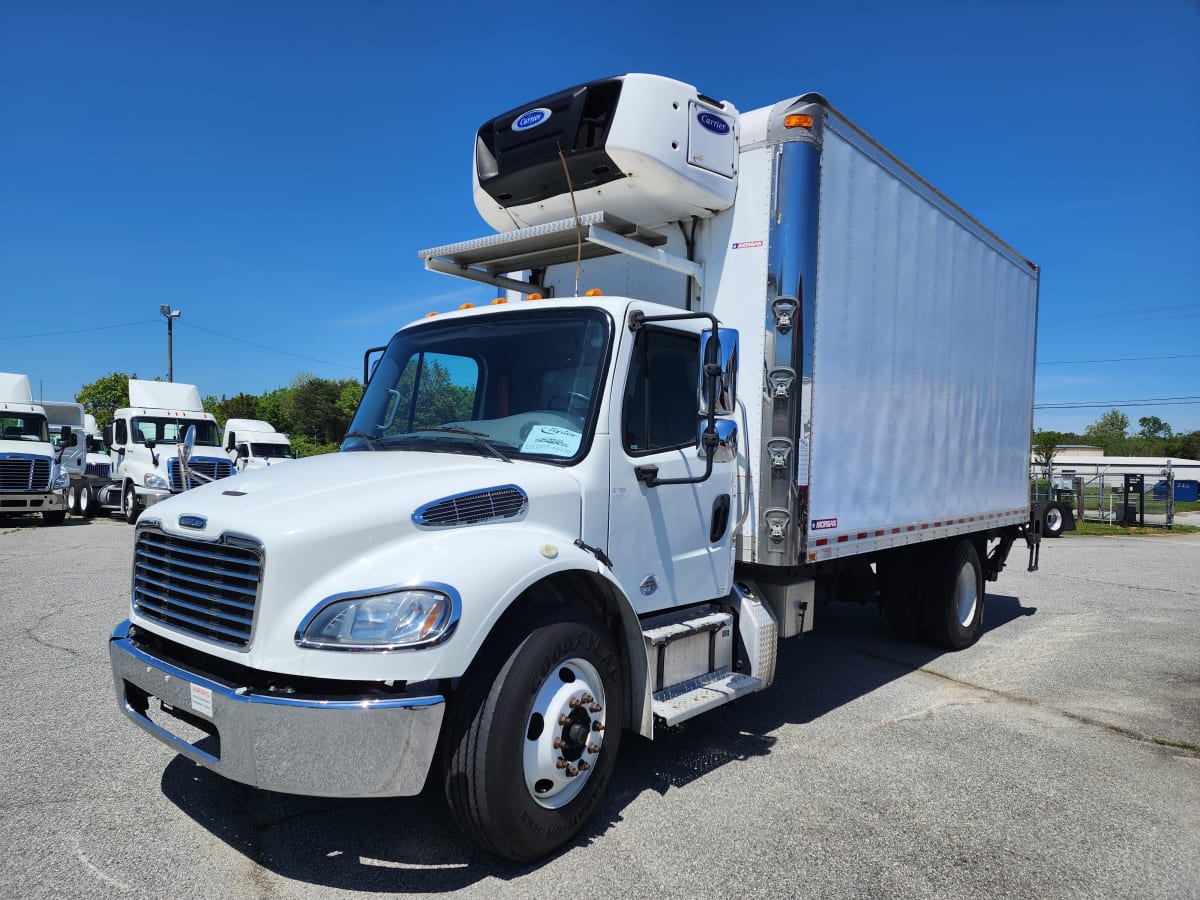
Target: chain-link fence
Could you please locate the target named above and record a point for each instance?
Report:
(1118, 496)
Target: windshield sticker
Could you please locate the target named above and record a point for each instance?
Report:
(552, 441)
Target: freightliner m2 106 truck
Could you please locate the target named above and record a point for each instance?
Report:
(144, 440)
(742, 364)
(31, 479)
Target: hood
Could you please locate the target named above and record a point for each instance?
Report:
(358, 499)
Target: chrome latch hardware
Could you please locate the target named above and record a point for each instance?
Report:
(778, 449)
(784, 309)
(780, 381)
(777, 523)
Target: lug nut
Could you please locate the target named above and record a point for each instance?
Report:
(593, 748)
(563, 720)
(561, 763)
(572, 771)
(583, 765)
(559, 743)
(573, 702)
(595, 707)
(597, 726)
(586, 698)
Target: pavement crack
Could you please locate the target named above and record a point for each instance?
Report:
(1013, 697)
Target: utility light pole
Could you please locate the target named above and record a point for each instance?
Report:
(171, 315)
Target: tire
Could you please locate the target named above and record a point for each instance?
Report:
(88, 504)
(1052, 520)
(507, 784)
(899, 577)
(130, 508)
(953, 602)
(54, 516)
(73, 499)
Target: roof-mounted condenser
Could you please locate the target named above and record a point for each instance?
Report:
(641, 147)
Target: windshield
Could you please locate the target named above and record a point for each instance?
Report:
(168, 430)
(515, 385)
(269, 451)
(17, 426)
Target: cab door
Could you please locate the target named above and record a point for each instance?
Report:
(671, 544)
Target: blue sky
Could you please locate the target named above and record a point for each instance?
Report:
(271, 168)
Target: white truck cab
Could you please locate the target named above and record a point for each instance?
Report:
(254, 444)
(31, 477)
(596, 503)
(143, 442)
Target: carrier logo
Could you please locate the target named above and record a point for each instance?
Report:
(193, 522)
(530, 119)
(715, 124)
(818, 524)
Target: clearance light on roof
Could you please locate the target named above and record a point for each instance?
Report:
(594, 292)
(797, 121)
(499, 300)
(466, 306)
(533, 296)
(430, 315)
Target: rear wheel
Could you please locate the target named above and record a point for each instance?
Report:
(532, 746)
(87, 502)
(953, 603)
(73, 499)
(1052, 520)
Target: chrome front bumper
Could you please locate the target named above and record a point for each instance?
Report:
(325, 748)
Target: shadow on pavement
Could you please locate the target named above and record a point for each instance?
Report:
(411, 845)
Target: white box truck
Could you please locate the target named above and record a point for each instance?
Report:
(144, 440)
(254, 444)
(31, 478)
(743, 363)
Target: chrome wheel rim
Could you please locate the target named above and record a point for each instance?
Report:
(965, 591)
(563, 733)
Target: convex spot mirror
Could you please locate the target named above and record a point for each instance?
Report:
(188, 445)
(726, 356)
(726, 449)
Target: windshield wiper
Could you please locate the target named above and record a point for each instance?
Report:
(479, 443)
(370, 439)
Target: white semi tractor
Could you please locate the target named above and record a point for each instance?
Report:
(254, 444)
(31, 477)
(742, 364)
(76, 442)
(143, 442)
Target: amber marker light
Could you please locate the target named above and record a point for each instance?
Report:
(430, 315)
(466, 306)
(797, 121)
(533, 296)
(594, 292)
(499, 300)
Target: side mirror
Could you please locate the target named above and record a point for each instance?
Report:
(108, 436)
(68, 438)
(727, 440)
(230, 440)
(724, 356)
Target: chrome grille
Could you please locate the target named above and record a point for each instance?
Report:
(99, 470)
(206, 588)
(213, 468)
(474, 508)
(24, 473)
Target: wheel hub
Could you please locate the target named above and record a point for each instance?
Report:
(564, 733)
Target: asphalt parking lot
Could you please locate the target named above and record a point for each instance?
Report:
(1058, 757)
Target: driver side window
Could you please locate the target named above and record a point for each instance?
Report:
(660, 406)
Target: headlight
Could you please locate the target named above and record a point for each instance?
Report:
(154, 481)
(60, 481)
(403, 618)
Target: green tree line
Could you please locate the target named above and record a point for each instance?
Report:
(1114, 434)
(314, 412)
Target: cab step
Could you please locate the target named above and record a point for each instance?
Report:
(680, 702)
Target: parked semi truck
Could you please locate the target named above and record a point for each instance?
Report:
(743, 364)
(31, 478)
(254, 444)
(73, 434)
(143, 442)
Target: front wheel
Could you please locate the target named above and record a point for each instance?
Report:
(1052, 520)
(73, 499)
(130, 508)
(532, 747)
